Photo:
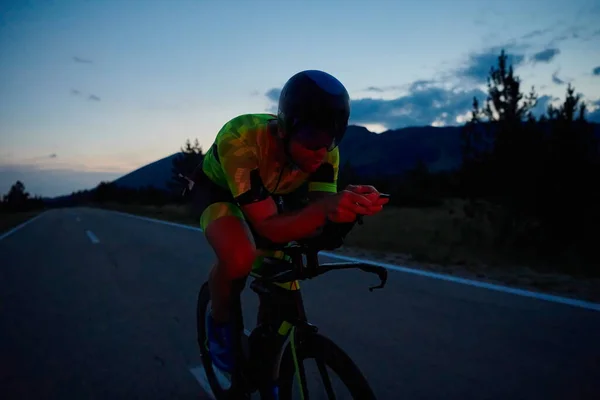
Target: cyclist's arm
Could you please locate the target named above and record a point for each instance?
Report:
(240, 163)
(322, 183)
(282, 228)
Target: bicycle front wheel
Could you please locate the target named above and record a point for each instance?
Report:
(220, 383)
(294, 378)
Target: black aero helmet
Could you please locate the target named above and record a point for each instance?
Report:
(313, 103)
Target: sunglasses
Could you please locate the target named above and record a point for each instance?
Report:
(315, 139)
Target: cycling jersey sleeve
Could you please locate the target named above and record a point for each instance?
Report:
(325, 178)
(239, 161)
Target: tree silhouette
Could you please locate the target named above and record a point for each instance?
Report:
(502, 146)
(16, 199)
(185, 164)
(540, 171)
(571, 165)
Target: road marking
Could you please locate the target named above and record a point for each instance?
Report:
(16, 228)
(200, 376)
(92, 237)
(480, 284)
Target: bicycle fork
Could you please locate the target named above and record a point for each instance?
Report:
(287, 337)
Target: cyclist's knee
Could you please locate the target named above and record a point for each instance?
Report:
(232, 242)
(238, 263)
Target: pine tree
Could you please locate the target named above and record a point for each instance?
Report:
(184, 165)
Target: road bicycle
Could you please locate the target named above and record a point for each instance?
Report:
(269, 358)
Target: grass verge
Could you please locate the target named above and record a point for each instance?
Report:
(9, 220)
(441, 239)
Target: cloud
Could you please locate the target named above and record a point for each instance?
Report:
(424, 104)
(579, 33)
(382, 89)
(33, 160)
(556, 79)
(555, 41)
(535, 33)
(596, 71)
(436, 102)
(82, 60)
(545, 56)
(477, 67)
(91, 97)
(273, 94)
(374, 89)
(542, 105)
(421, 85)
(593, 113)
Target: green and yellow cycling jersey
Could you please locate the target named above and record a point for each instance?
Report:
(246, 160)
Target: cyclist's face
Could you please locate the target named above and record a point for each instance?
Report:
(309, 160)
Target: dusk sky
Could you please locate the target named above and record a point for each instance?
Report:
(92, 90)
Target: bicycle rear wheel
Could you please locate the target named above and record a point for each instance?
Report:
(292, 375)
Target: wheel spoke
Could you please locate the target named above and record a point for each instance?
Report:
(326, 380)
(303, 383)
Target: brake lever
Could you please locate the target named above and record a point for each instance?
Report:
(381, 272)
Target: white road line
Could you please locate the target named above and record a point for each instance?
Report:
(16, 228)
(92, 237)
(480, 284)
(200, 376)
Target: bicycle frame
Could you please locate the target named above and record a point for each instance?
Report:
(286, 321)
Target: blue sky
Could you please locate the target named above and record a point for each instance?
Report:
(92, 90)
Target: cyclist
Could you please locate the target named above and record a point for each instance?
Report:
(256, 156)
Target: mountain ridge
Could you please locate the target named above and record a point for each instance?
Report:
(391, 152)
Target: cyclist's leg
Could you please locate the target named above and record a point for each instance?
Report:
(231, 239)
(227, 233)
(224, 226)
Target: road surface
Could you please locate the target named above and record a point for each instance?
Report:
(98, 305)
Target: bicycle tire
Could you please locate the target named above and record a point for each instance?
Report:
(209, 368)
(319, 347)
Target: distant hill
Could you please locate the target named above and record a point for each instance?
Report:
(390, 152)
(396, 151)
(156, 174)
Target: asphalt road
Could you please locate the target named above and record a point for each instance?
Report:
(98, 305)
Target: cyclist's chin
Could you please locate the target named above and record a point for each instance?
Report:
(309, 166)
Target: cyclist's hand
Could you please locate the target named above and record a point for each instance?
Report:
(342, 216)
(372, 194)
(344, 206)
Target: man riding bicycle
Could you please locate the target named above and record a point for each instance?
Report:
(257, 156)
